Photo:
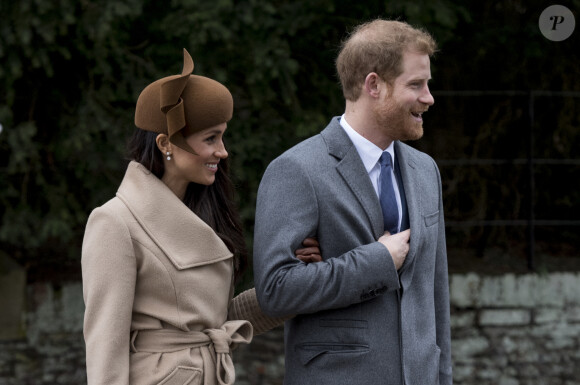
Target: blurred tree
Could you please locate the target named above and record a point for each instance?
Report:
(68, 77)
(72, 70)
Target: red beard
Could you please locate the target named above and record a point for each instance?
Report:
(397, 121)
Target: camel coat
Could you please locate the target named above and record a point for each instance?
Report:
(157, 285)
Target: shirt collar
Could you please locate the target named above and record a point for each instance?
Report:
(367, 150)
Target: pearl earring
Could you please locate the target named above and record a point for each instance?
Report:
(168, 155)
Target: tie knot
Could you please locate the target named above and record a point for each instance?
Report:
(385, 159)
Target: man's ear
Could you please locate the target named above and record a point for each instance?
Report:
(373, 84)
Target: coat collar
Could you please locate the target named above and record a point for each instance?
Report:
(337, 141)
(353, 171)
(186, 239)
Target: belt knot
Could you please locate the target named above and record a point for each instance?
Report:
(229, 335)
(221, 340)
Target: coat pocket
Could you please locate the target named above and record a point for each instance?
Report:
(431, 219)
(343, 323)
(310, 351)
(183, 375)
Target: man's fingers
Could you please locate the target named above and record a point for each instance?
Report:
(405, 235)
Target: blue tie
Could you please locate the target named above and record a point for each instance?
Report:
(387, 197)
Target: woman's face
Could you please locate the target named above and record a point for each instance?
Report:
(201, 168)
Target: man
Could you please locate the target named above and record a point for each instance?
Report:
(376, 310)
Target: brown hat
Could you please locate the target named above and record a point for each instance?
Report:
(172, 103)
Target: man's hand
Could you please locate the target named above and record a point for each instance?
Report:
(398, 245)
(311, 251)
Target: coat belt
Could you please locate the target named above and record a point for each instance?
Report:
(223, 340)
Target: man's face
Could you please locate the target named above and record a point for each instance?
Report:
(400, 108)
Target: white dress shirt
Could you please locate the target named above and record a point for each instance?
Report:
(370, 154)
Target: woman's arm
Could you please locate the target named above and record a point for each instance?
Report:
(245, 305)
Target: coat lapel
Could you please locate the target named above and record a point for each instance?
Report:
(408, 169)
(352, 170)
(183, 236)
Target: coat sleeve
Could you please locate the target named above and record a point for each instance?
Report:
(442, 312)
(287, 212)
(109, 274)
(245, 306)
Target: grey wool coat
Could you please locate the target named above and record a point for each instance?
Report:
(158, 287)
(359, 321)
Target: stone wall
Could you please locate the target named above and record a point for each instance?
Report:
(516, 330)
(52, 349)
(506, 330)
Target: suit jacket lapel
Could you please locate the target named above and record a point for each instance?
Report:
(352, 170)
(404, 209)
(407, 167)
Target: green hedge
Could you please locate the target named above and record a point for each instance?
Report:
(71, 71)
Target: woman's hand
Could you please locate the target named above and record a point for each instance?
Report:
(310, 252)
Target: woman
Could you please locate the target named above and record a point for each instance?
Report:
(159, 260)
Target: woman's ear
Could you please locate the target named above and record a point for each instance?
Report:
(164, 145)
